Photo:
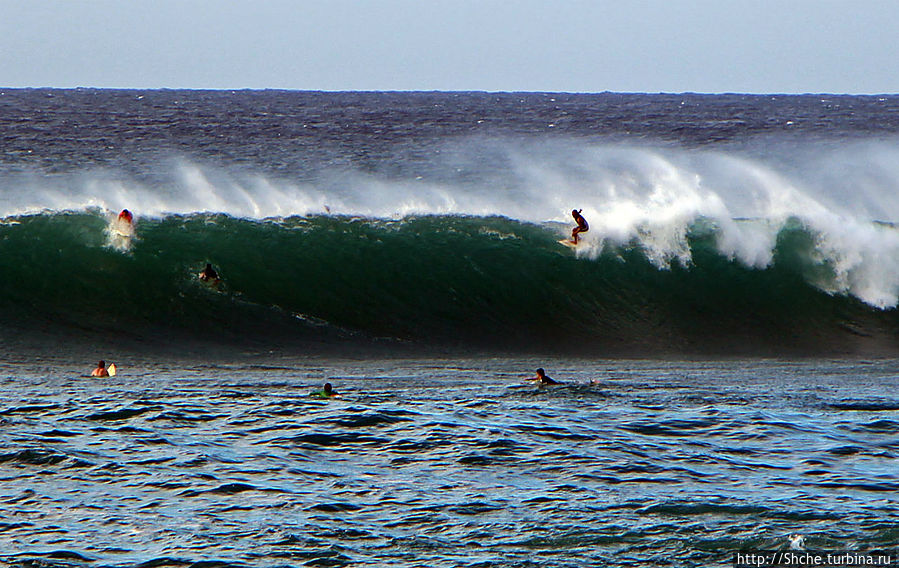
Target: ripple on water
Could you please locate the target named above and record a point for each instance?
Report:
(34, 456)
(460, 477)
(120, 414)
(30, 409)
(337, 440)
(866, 406)
(370, 419)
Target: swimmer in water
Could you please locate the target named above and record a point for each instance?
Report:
(209, 275)
(543, 379)
(100, 371)
(582, 226)
(126, 216)
(326, 392)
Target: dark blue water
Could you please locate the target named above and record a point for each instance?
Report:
(305, 134)
(725, 332)
(445, 462)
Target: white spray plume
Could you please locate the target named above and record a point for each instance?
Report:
(651, 196)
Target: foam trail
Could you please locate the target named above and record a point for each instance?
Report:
(119, 234)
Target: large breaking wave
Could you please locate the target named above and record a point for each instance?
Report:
(688, 250)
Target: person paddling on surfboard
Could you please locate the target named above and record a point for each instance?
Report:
(326, 392)
(100, 371)
(542, 379)
(209, 275)
(582, 226)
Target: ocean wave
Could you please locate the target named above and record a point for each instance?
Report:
(432, 280)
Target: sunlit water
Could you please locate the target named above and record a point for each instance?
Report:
(445, 462)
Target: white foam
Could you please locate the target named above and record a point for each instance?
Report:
(119, 233)
(650, 196)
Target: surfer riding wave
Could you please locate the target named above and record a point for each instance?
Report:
(582, 226)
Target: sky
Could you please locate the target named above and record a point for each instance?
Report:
(646, 46)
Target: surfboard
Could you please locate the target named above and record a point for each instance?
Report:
(567, 243)
(111, 370)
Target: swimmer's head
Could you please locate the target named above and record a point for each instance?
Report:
(328, 389)
(101, 364)
(540, 372)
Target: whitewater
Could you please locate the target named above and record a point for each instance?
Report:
(772, 216)
(648, 197)
(643, 184)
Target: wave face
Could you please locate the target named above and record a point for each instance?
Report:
(485, 282)
(718, 223)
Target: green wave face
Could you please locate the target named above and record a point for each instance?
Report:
(478, 282)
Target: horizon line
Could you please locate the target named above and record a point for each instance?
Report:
(448, 91)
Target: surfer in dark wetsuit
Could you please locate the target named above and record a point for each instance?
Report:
(209, 275)
(582, 226)
(542, 379)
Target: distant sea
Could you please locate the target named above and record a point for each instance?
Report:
(726, 331)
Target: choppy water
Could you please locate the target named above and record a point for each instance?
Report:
(440, 462)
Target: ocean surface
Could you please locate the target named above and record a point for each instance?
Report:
(726, 332)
